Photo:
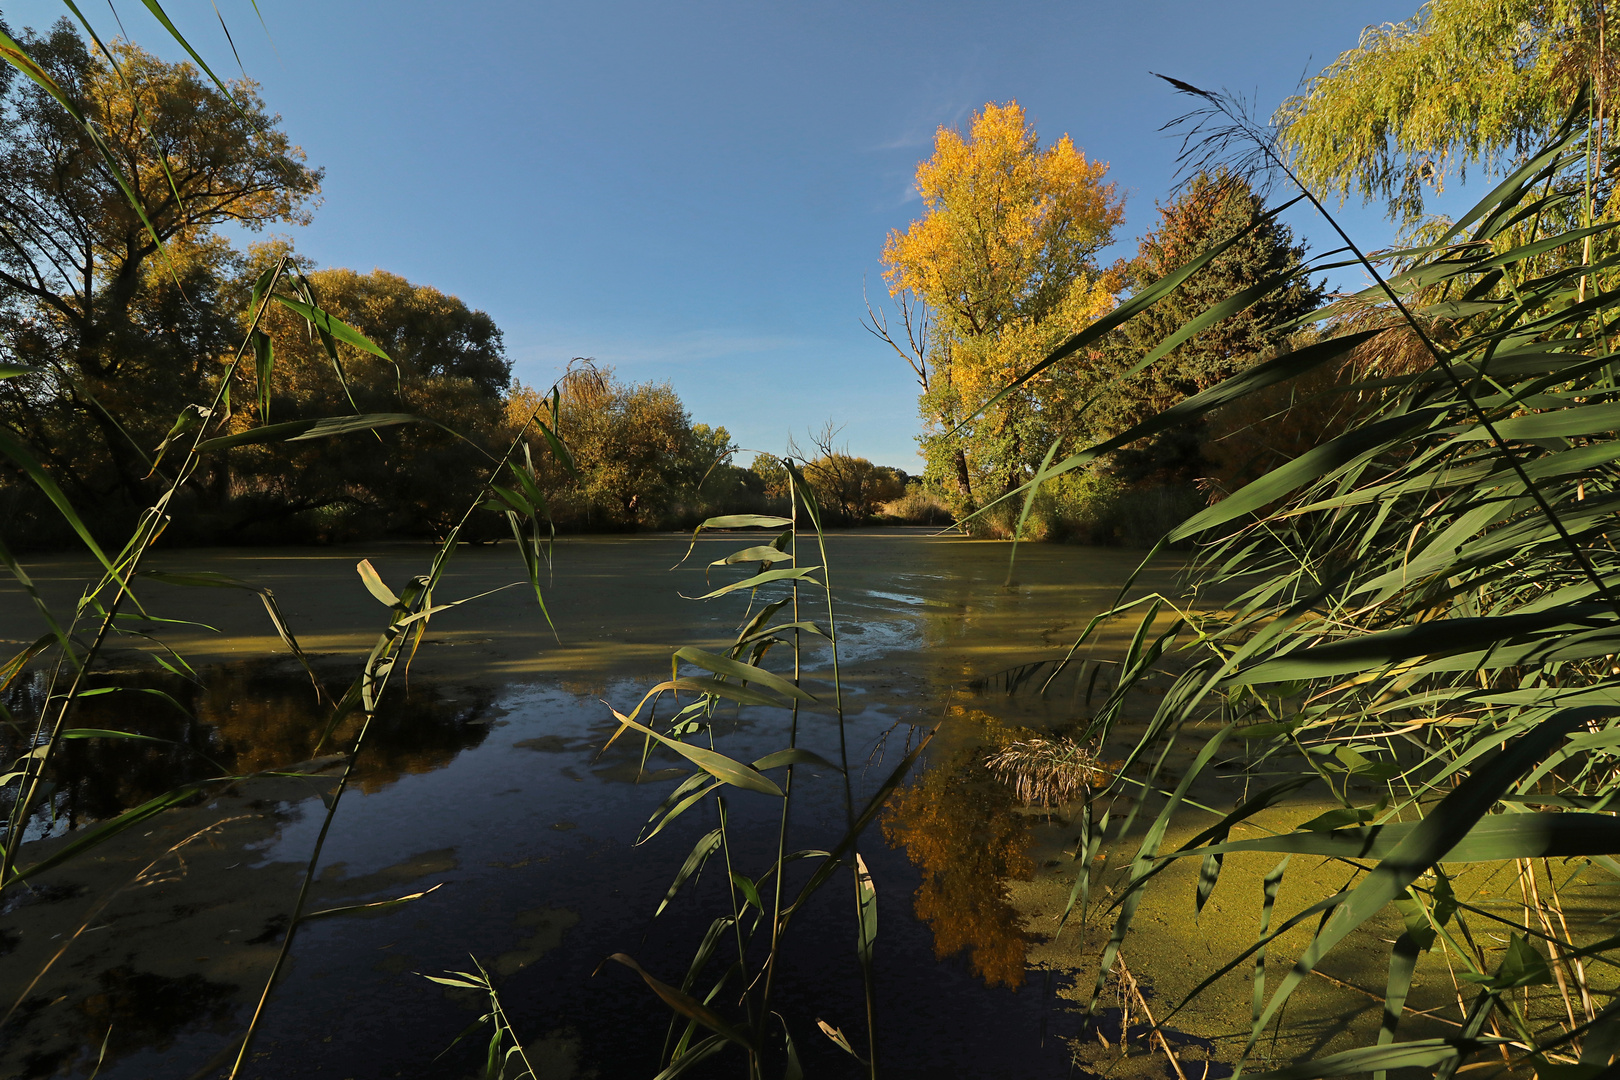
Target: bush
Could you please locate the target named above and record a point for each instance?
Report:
(1093, 507)
(920, 505)
(1143, 518)
(1078, 507)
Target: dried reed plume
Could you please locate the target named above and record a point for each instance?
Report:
(1048, 771)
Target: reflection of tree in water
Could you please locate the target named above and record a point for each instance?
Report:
(961, 828)
(248, 717)
(131, 1010)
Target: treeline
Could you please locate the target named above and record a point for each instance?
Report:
(642, 463)
(115, 327)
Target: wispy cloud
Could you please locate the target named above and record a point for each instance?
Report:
(943, 102)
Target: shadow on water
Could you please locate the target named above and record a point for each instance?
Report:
(504, 799)
(130, 1010)
(236, 719)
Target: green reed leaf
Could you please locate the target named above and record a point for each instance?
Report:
(746, 673)
(766, 554)
(374, 583)
(707, 845)
(717, 765)
(1418, 1054)
(1439, 833)
(299, 430)
(797, 755)
(686, 1005)
(767, 577)
(328, 324)
(105, 831)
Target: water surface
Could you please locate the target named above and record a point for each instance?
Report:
(487, 779)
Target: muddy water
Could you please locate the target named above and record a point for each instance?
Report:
(487, 783)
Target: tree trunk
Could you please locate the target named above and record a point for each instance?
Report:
(964, 482)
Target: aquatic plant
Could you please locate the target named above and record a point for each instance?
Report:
(1416, 619)
(504, 1053)
(745, 941)
(1049, 771)
(114, 606)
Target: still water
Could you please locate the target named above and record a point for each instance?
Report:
(489, 784)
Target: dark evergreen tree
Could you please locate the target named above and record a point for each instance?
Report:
(1210, 209)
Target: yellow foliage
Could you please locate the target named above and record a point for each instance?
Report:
(1004, 258)
(1010, 229)
(1461, 82)
(960, 829)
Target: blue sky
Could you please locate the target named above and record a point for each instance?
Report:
(697, 192)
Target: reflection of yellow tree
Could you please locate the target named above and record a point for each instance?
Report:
(959, 827)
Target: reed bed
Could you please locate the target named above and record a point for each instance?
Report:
(1424, 632)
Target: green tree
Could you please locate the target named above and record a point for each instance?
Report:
(447, 363)
(1462, 82)
(772, 475)
(639, 456)
(121, 326)
(848, 489)
(1211, 208)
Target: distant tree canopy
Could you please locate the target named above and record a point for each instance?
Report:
(116, 328)
(117, 332)
(642, 463)
(1002, 269)
(848, 489)
(1462, 82)
(448, 366)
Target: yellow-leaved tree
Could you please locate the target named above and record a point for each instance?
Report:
(1000, 269)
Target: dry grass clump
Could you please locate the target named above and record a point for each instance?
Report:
(918, 506)
(1047, 771)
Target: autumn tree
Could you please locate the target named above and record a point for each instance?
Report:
(1462, 83)
(849, 489)
(1000, 268)
(121, 312)
(772, 475)
(639, 456)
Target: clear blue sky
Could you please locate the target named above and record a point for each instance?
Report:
(696, 192)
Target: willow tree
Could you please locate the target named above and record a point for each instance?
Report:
(1462, 83)
(1000, 268)
(445, 362)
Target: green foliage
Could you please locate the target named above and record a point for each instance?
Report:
(1212, 208)
(124, 332)
(918, 505)
(445, 363)
(642, 462)
(1461, 82)
(848, 489)
(1000, 268)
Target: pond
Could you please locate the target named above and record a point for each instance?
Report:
(487, 786)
